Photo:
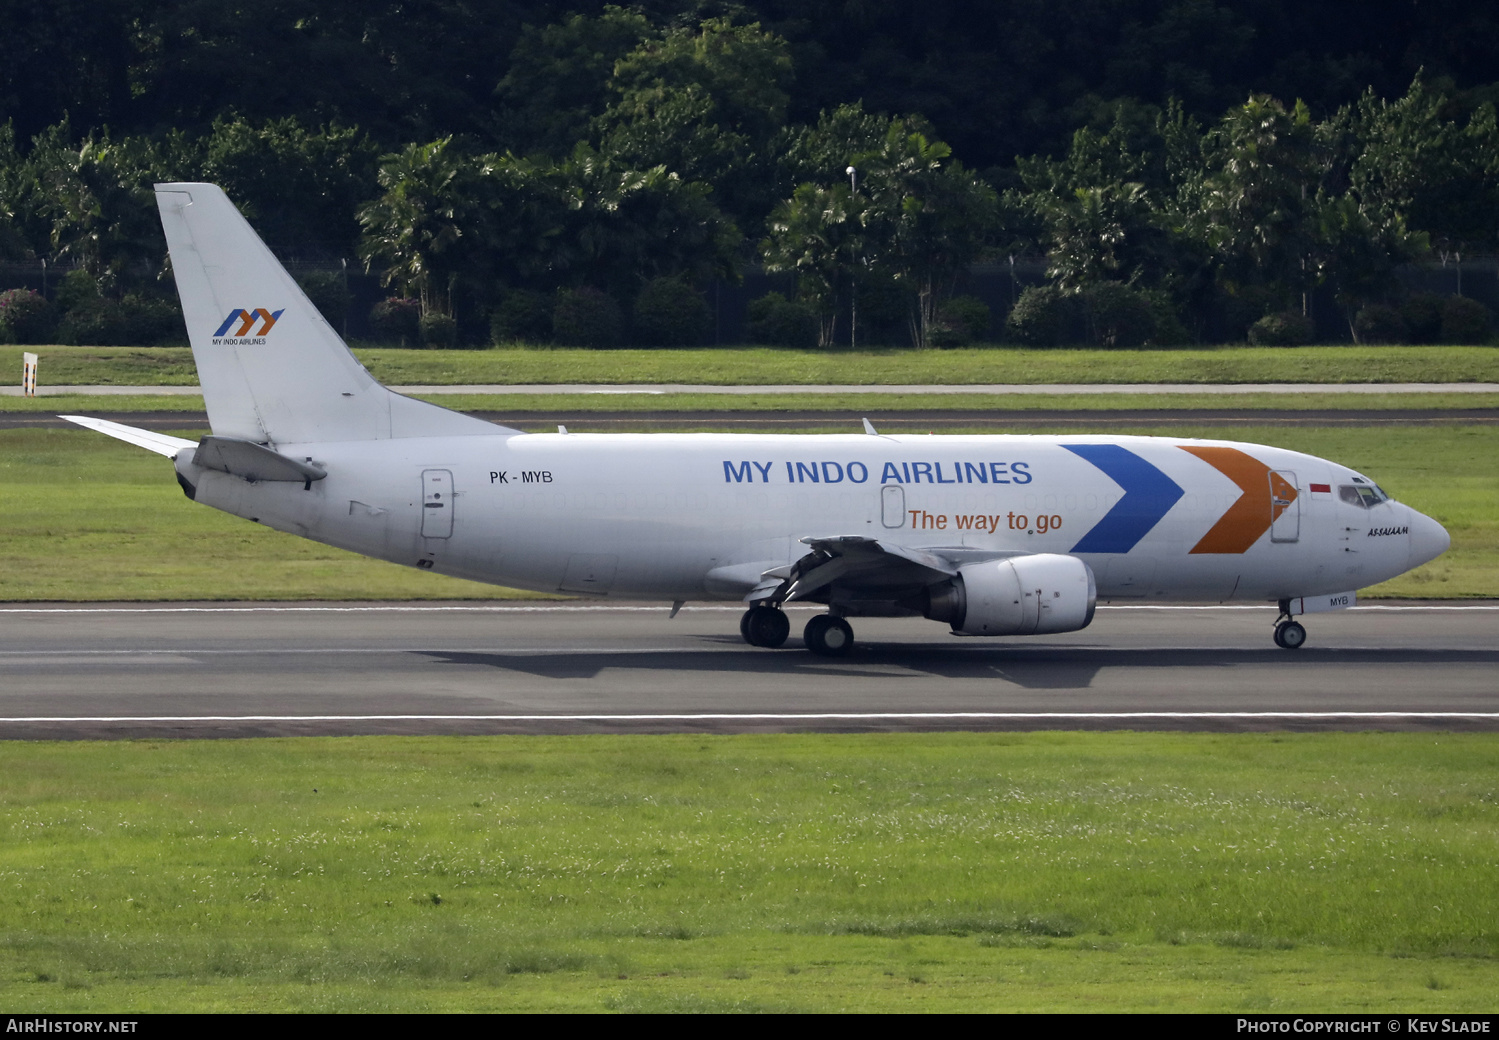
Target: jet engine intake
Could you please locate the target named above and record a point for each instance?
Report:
(1020, 596)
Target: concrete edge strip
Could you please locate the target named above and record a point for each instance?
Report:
(737, 389)
(916, 716)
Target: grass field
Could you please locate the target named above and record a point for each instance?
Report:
(83, 517)
(172, 366)
(975, 872)
(854, 404)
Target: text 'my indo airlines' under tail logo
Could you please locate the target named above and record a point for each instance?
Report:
(1266, 495)
(247, 319)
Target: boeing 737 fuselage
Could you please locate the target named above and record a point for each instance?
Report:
(992, 535)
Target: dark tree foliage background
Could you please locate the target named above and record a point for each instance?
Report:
(504, 148)
(996, 80)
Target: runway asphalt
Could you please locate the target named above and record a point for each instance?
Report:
(233, 670)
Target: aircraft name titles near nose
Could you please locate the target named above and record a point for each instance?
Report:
(828, 471)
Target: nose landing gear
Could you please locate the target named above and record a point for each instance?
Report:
(1289, 633)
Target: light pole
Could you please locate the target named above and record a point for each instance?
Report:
(853, 273)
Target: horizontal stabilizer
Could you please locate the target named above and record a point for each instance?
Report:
(160, 443)
(253, 462)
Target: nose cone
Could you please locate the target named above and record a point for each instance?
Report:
(1429, 539)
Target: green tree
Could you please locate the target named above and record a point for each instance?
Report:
(1093, 233)
(1418, 164)
(627, 226)
(706, 103)
(1259, 211)
(1112, 208)
(417, 230)
(927, 219)
(99, 201)
(558, 81)
(817, 234)
(917, 217)
(16, 198)
(300, 187)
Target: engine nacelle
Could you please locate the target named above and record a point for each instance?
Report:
(1020, 596)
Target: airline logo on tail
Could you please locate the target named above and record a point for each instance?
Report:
(247, 320)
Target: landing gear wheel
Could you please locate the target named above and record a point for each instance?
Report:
(1289, 635)
(765, 626)
(828, 636)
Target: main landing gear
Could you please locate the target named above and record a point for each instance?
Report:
(1289, 634)
(828, 636)
(765, 626)
(825, 635)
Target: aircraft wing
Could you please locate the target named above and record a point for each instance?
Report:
(866, 567)
(160, 443)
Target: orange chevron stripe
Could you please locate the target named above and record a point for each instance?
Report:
(261, 312)
(1265, 496)
(249, 320)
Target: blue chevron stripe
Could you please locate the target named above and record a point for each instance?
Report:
(1148, 495)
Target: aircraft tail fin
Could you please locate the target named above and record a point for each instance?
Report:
(272, 369)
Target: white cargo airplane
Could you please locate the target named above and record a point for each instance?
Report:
(994, 535)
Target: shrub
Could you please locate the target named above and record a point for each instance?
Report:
(523, 316)
(884, 309)
(1379, 323)
(1464, 320)
(776, 321)
(438, 330)
(1169, 330)
(1422, 314)
(1285, 329)
(1118, 315)
(77, 288)
(960, 321)
(329, 293)
(26, 317)
(1043, 316)
(149, 321)
(587, 318)
(135, 321)
(670, 313)
(397, 320)
(94, 323)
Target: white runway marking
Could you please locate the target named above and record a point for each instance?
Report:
(901, 716)
(268, 650)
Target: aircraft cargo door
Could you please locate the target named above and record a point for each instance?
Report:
(1285, 507)
(437, 503)
(893, 505)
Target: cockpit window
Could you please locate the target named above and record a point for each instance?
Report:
(1365, 496)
